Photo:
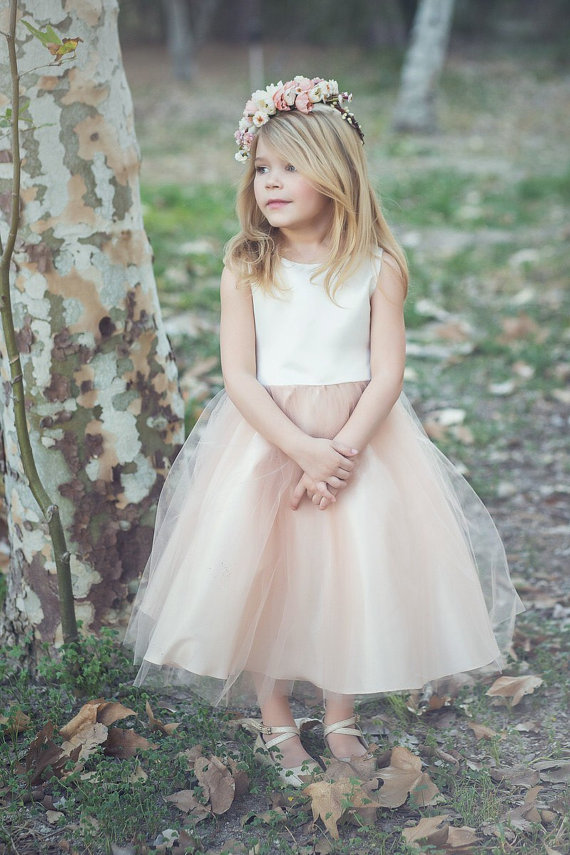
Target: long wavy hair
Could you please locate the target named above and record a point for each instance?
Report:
(323, 147)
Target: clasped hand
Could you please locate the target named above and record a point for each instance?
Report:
(327, 467)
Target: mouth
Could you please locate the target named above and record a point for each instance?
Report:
(276, 203)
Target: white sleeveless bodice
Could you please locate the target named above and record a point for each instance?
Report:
(304, 338)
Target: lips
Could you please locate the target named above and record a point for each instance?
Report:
(276, 203)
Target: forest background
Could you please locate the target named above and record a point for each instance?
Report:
(481, 207)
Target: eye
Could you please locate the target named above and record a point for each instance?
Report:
(290, 168)
(260, 170)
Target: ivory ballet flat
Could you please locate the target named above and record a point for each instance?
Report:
(292, 777)
(348, 727)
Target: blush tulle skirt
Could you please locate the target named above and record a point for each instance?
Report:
(403, 581)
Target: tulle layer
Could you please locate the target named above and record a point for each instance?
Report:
(403, 581)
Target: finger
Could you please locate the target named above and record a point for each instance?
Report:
(298, 494)
(336, 482)
(323, 504)
(343, 449)
(323, 488)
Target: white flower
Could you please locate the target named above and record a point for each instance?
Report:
(241, 156)
(259, 118)
(334, 86)
(290, 96)
(316, 93)
(264, 101)
(326, 89)
(244, 124)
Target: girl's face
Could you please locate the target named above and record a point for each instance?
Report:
(286, 199)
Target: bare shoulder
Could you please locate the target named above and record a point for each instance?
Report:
(391, 283)
(231, 288)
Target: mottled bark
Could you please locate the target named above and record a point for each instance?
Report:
(103, 407)
(415, 108)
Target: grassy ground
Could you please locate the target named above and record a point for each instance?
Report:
(482, 210)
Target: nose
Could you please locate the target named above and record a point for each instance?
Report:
(272, 179)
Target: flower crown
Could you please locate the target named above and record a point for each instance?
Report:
(301, 94)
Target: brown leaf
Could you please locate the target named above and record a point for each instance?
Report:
(157, 724)
(212, 773)
(460, 838)
(87, 739)
(87, 715)
(518, 776)
(125, 743)
(523, 817)
(555, 771)
(186, 801)
(514, 687)
(54, 816)
(528, 726)
(431, 829)
(358, 767)
(330, 800)
(191, 754)
(240, 777)
(44, 754)
(481, 731)
(401, 777)
(436, 831)
(523, 326)
(110, 711)
(424, 792)
(15, 722)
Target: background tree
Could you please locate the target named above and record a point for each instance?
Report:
(187, 26)
(415, 107)
(104, 411)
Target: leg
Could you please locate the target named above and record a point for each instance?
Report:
(339, 708)
(276, 712)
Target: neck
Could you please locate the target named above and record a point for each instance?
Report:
(305, 245)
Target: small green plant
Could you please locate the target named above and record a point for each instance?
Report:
(91, 666)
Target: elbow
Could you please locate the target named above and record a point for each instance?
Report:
(236, 383)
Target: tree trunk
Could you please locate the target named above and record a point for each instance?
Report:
(179, 38)
(415, 108)
(104, 410)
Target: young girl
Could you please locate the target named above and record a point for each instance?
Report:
(309, 535)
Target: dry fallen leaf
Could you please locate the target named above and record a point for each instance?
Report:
(433, 829)
(523, 326)
(522, 818)
(54, 816)
(518, 776)
(554, 771)
(514, 688)
(528, 726)
(240, 777)
(157, 724)
(111, 711)
(404, 777)
(191, 754)
(481, 731)
(186, 801)
(217, 778)
(15, 722)
(44, 754)
(330, 800)
(436, 832)
(125, 743)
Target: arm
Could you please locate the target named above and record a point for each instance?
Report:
(387, 359)
(324, 460)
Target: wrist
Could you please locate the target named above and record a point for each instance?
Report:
(298, 448)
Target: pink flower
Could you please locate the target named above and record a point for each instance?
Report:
(279, 98)
(303, 103)
(250, 108)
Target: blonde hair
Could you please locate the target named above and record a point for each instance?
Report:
(323, 147)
